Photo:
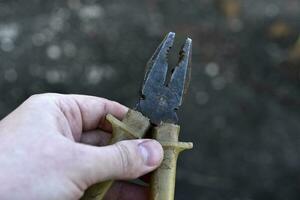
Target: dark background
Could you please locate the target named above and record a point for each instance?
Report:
(242, 110)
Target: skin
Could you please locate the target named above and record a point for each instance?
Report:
(52, 147)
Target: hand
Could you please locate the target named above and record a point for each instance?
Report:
(41, 156)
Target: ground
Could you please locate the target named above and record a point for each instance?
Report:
(242, 110)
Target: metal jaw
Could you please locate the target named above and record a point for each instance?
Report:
(160, 100)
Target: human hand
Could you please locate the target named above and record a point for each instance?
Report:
(41, 156)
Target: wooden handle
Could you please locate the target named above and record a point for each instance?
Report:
(133, 126)
(163, 179)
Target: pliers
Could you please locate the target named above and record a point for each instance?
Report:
(155, 112)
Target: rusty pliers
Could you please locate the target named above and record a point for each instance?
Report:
(156, 113)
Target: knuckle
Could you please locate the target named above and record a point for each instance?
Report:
(115, 103)
(42, 101)
(34, 97)
(41, 97)
(129, 167)
(123, 157)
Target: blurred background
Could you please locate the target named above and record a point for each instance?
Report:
(242, 110)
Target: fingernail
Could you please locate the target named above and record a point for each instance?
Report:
(152, 152)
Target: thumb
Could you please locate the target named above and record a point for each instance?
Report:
(127, 159)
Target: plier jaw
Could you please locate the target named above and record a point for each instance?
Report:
(160, 99)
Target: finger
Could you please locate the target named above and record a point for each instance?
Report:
(127, 191)
(94, 109)
(124, 160)
(95, 138)
(69, 114)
